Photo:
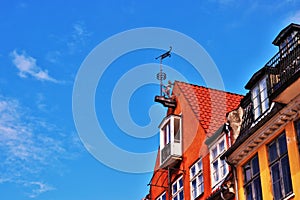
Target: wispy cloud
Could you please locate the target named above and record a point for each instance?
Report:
(79, 36)
(30, 147)
(39, 188)
(294, 17)
(27, 66)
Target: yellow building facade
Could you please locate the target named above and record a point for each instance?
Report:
(266, 153)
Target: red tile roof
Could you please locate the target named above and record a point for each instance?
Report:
(210, 106)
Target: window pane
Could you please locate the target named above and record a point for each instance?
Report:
(215, 173)
(201, 188)
(194, 188)
(256, 102)
(257, 189)
(180, 183)
(214, 152)
(263, 84)
(193, 171)
(194, 184)
(255, 165)
(177, 130)
(181, 195)
(264, 94)
(169, 132)
(297, 126)
(255, 92)
(276, 181)
(200, 165)
(286, 175)
(201, 185)
(223, 168)
(275, 172)
(273, 152)
(248, 191)
(194, 195)
(265, 105)
(222, 146)
(174, 188)
(247, 172)
(282, 144)
(257, 112)
(298, 129)
(277, 191)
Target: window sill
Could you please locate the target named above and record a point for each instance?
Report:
(290, 196)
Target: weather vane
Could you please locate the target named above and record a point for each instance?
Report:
(165, 97)
(161, 76)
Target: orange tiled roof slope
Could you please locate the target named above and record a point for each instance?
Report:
(210, 106)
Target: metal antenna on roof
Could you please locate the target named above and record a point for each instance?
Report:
(161, 76)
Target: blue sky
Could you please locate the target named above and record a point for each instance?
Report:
(43, 45)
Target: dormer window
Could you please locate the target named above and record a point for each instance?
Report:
(219, 167)
(260, 99)
(284, 45)
(170, 140)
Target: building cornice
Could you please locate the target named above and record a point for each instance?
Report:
(277, 122)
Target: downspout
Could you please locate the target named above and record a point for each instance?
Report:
(234, 177)
(169, 183)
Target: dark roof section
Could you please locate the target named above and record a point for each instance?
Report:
(285, 32)
(244, 135)
(209, 140)
(255, 78)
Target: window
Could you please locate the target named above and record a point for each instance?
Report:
(252, 185)
(260, 98)
(219, 168)
(167, 133)
(280, 168)
(177, 189)
(297, 128)
(162, 197)
(170, 130)
(170, 140)
(196, 179)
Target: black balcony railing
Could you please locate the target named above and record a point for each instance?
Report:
(248, 116)
(284, 66)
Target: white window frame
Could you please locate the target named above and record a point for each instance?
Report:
(167, 131)
(259, 95)
(196, 176)
(217, 166)
(179, 189)
(161, 196)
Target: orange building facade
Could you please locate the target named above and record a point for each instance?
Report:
(183, 166)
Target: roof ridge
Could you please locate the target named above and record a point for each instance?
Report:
(218, 90)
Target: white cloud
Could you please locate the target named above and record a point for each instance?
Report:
(79, 37)
(39, 188)
(30, 147)
(27, 67)
(294, 17)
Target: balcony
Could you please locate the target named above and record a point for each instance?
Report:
(170, 141)
(250, 124)
(284, 72)
(170, 154)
